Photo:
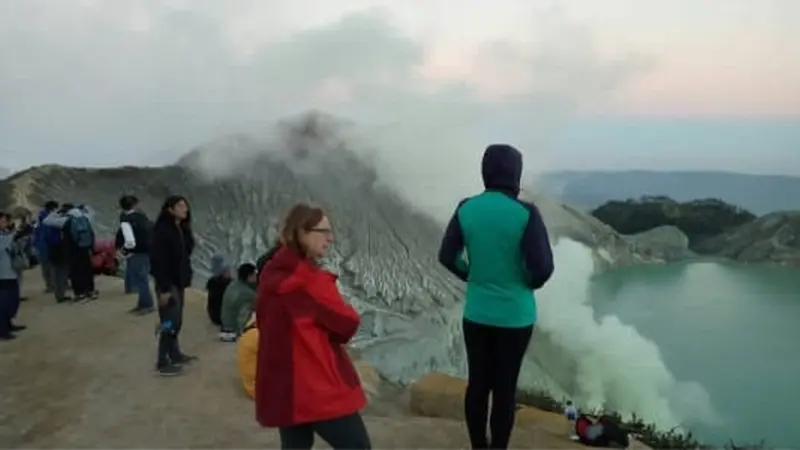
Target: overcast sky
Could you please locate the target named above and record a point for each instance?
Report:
(608, 84)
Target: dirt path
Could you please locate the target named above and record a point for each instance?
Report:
(82, 376)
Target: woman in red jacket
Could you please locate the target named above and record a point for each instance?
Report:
(305, 380)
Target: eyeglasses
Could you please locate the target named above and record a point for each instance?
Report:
(325, 231)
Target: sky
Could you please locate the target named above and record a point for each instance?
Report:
(580, 85)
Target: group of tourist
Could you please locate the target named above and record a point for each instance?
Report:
(293, 325)
(62, 242)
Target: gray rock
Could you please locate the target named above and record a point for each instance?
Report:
(665, 244)
(773, 238)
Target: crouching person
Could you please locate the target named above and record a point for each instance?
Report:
(306, 383)
(237, 302)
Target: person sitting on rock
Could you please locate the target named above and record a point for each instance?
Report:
(247, 355)
(498, 245)
(306, 383)
(215, 286)
(237, 302)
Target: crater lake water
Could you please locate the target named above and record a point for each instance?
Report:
(733, 328)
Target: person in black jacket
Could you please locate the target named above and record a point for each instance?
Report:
(170, 263)
(133, 238)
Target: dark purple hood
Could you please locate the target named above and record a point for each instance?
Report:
(502, 168)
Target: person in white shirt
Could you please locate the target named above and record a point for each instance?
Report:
(571, 413)
(133, 238)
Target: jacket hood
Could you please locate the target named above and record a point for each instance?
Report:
(501, 168)
(218, 265)
(299, 270)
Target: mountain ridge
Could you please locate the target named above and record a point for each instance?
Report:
(760, 194)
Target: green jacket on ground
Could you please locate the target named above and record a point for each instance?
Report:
(237, 305)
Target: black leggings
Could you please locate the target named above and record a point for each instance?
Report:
(344, 433)
(494, 357)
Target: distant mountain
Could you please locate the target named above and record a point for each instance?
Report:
(760, 194)
(4, 172)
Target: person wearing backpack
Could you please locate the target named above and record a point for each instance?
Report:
(79, 236)
(53, 235)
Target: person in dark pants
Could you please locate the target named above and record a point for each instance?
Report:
(42, 250)
(54, 237)
(170, 262)
(508, 257)
(79, 238)
(215, 286)
(9, 281)
(133, 237)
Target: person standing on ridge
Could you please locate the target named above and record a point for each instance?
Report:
(306, 383)
(42, 249)
(79, 237)
(171, 267)
(57, 251)
(133, 237)
(9, 280)
(508, 256)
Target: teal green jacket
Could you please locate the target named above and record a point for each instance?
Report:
(499, 246)
(237, 305)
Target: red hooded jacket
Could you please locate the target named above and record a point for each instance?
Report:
(303, 373)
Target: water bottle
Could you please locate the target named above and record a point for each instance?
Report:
(163, 327)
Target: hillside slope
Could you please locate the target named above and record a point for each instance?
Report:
(385, 251)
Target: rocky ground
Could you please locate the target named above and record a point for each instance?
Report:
(81, 376)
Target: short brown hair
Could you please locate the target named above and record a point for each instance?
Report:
(301, 217)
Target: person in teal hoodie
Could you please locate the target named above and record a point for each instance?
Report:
(238, 302)
(499, 246)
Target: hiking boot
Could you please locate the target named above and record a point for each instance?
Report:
(64, 299)
(169, 370)
(7, 337)
(15, 328)
(94, 295)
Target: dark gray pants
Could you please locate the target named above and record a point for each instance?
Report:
(343, 433)
(59, 272)
(47, 275)
(171, 318)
